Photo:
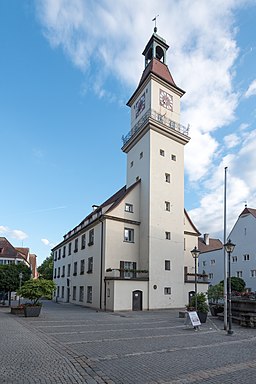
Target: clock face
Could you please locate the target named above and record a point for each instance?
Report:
(140, 105)
(165, 99)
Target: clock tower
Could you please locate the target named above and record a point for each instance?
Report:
(155, 156)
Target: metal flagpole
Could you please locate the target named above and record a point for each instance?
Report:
(225, 254)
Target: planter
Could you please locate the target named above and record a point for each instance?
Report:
(202, 316)
(17, 311)
(32, 311)
(216, 308)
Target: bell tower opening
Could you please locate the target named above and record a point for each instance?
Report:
(155, 49)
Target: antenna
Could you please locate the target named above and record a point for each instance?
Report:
(155, 29)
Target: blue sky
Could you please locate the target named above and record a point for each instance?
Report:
(67, 71)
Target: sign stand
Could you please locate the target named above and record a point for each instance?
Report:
(193, 319)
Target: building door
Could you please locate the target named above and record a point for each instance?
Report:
(137, 300)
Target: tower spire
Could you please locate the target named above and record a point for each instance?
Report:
(155, 28)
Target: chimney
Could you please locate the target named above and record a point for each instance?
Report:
(206, 239)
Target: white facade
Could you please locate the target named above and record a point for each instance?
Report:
(243, 258)
(142, 236)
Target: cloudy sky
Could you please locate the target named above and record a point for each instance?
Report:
(68, 68)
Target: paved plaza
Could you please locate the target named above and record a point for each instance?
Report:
(69, 344)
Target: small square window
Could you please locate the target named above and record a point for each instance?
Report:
(210, 276)
(173, 157)
(128, 207)
(253, 272)
(141, 155)
(246, 257)
(167, 290)
(167, 265)
(239, 274)
(212, 261)
(167, 177)
(234, 259)
(168, 235)
(162, 152)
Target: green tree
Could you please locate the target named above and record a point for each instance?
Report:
(237, 284)
(9, 277)
(45, 270)
(215, 293)
(37, 289)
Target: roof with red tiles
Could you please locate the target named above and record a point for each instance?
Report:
(214, 245)
(247, 211)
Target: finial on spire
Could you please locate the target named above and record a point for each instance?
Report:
(155, 29)
(245, 204)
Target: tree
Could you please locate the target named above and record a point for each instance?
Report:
(237, 284)
(37, 289)
(9, 277)
(45, 270)
(215, 293)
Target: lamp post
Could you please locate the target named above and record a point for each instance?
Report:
(195, 254)
(20, 277)
(229, 248)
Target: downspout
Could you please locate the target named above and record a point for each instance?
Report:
(101, 262)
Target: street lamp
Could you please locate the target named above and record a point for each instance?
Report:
(20, 277)
(195, 254)
(229, 248)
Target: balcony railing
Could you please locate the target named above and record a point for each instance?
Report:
(116, 273)
(161, 119)
(189, 276)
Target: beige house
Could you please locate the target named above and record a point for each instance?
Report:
(133, 251)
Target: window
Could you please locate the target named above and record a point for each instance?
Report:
(55, 273)
(141, 155)
(81, 293)
(246, 257)
(91, 237)
(129, 235)
(69, 248)
(74, 293)
(58, 291)
(1, 250)
(168, 235)
(210, 275)
(239, 274)
(204, 263)
(76, 245)
(167, 265)
(64, 252)
(63, 271)
(83, 241)
(108, 292)
(89, 294)
(69, 268)
(55, 255)
(59, 254)
(90, 265)
(234, 259)
(167, 205)
(212, 261)
(167, 177)
(253, 272)
(167, 290)
(62, 292)
(58, 272)
(173, 157)
(184, 244)
(128, 269)
(161, 152)
(82, 267)
(128, 207)
(75, 268)
(131, 164)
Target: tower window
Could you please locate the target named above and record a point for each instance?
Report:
(167, 177)
(167, 265)
(173, 157)
(167, 206)
(129, 235)
(161, 152)
(168, 235)
(128, 207)
(167, 290)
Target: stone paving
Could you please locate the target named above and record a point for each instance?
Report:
(70, 344)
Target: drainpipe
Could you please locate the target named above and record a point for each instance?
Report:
(101, 262)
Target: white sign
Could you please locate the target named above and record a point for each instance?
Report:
(194, 319)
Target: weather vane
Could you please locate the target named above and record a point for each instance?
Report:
(155, 29)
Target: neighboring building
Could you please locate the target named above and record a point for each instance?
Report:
(133, 251)
(16, 255)
(211, 259)
(243, 258)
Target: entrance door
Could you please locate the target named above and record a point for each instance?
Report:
(137, 300)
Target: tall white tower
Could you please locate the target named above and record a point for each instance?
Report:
(155, 154)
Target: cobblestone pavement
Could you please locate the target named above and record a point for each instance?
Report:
(69, 344)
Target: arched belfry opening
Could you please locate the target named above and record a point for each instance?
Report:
(155, 49)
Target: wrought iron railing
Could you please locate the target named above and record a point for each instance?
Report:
(161, 119)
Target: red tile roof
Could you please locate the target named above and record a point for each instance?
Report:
(214, 245)
(247, 211)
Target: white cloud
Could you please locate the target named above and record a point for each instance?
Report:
(251, 91)
(13, 233)
(231, 140)
(45, 241)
